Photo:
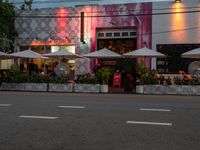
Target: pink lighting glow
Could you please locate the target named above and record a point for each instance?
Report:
(61, 22)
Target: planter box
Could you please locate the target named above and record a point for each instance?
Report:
(56, 87)
(24, 87)
(103, 88)
(155, 89)
(139, 89)
(86, 88)
(35, 87)
(12, 87)
(172, 89)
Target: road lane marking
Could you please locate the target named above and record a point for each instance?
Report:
(38, 117)
(72, 107)
(147, 109)
(5, 105)
(149, 123)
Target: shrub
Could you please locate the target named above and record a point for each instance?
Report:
(87, 79)
(195, 80)
(103, 75)
(146, 76)
(16, 78)
(168, 81)
(39, 79)
(149, 79)
(59, 79)
(178, 81)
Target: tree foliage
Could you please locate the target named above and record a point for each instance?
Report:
(7, 25)
(27, 5)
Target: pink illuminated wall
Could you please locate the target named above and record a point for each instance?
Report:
(61, 22)
(105, 16)
(127, 15)
(124, 16)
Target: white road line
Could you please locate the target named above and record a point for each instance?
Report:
(5, 105)
(38, 117)
(147, 109)
(73, 107)
(149, 123)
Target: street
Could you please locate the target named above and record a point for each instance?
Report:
(68, 121)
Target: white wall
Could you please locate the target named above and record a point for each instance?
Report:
(177, 26)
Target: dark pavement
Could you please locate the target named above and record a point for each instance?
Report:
(99, 122)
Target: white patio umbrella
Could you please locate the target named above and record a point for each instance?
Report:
(27, 54)
(63, 54)
(195, 53)
(143, 52)
(4, 55)
(103, 53)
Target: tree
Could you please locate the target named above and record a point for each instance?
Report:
(7, 26)
(27, 5)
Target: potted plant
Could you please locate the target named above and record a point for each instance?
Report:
(87, 84)
(103, 75)
(14, 79)
(141, 74)
(21, 81)
(60, 84)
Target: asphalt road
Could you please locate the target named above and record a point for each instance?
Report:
(58, 121)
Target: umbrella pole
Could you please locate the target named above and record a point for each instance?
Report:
(44, 66)
(44, 61)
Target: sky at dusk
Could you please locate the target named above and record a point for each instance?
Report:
(72, 3)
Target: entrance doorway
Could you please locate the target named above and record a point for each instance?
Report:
(120, 41)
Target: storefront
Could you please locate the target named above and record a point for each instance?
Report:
(175, 30)
(90, 28)
(168, 27)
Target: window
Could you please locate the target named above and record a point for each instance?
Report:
(161, 62)
(116, 33)
(124, 33)
(132, 33)
(109, 34)
(174, 62)
(100, 34)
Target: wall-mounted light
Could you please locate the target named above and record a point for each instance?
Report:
(177, 1)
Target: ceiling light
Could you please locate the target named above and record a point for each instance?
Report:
(177, 1)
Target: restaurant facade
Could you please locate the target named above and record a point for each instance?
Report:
(168, 27)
